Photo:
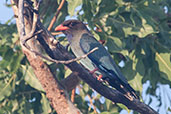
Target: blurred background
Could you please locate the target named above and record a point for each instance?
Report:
(136, 33)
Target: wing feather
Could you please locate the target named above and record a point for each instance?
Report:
(101, 57)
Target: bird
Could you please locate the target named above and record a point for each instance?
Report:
(82, 41)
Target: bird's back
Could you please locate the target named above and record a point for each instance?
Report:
(106, 65)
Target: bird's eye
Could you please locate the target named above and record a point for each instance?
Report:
(72, 23)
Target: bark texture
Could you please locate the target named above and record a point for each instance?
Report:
(55, 92)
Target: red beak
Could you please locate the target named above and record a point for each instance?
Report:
(61, 28)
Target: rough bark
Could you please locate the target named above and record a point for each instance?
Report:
(58, 96)
(54, 90)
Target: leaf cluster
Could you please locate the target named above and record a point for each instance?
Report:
(136, 32)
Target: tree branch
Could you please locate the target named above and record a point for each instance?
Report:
(58, 52)
(71, 81)
(56, 15)
(54, 91)
(109, 93)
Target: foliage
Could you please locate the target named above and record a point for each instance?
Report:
(136, 32)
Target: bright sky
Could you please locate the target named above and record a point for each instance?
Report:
(5, 12)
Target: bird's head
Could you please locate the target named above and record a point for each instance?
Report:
(71, 26)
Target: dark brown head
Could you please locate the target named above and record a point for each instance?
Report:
(70, 26)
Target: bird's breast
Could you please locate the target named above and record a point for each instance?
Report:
(76, 49)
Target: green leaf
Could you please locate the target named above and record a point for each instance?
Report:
(105, 112)
(88, 13)
(72, 4)
(15, 62)
(5, 88)
(132, 71)
(140, 68)
(123, 107)
(27, 107)
(114, 44)
(68, 72)
(107, 104)
(164, 64)
(31, 79)
(136, 83)
(128, 71)
(143, 31)
(45, 105)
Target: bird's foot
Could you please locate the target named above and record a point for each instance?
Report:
(99, 77)
(129, 96)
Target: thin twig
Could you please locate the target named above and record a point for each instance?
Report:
(32, 33)
(91, 103)
(66, 61)
(73, 95)
(56, 15)
(21, 18)
(56, 33)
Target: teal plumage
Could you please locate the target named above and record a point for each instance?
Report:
(81, 42)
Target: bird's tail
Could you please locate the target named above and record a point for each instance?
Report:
(126, 89)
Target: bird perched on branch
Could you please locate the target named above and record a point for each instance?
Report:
(100, 61)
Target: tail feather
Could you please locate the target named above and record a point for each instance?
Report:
(126, 89)
(130, 91)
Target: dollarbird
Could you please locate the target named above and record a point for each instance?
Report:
(100, 61)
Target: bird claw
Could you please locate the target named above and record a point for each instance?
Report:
(53, 41)
(99, 77)
(129, 96)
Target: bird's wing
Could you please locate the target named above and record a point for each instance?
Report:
(101, 58)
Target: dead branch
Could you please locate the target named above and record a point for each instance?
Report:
(73, 95)
(56, 15)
